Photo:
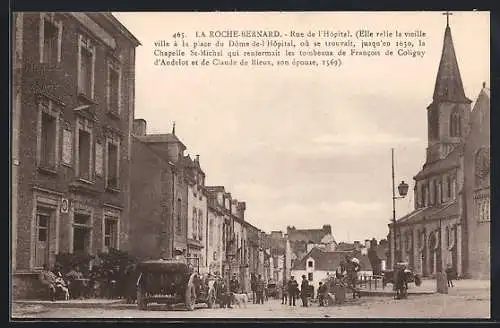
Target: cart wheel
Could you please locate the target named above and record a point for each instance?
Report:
(211, 298)
(141, 298)
(190, 296)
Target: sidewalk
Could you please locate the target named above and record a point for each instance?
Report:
(85, 303)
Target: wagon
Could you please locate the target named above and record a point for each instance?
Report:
(172, 282)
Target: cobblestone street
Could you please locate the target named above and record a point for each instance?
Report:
(469, 299)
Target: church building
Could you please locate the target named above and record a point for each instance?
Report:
(450, 223)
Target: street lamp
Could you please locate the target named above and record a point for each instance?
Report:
(403, 190)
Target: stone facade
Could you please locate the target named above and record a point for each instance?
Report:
(72, 115)
(477, 190)
(159, 195)
(436, 235)
(197, 211)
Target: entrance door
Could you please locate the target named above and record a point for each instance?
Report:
(42, 239)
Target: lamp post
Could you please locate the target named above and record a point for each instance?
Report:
(403, 190)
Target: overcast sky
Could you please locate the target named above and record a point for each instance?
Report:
(301, 146)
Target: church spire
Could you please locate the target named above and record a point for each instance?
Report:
(449, 85)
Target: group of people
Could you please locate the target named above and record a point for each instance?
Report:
(59, 284)
(258, 287)
(291, 291)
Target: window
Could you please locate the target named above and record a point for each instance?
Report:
(84, 154)
(455, 124)
(210, 232)
(86, 63)
(50, 39)
(110, 233)
(48, 140)
(310, 264)
(448, 184)
(194, 223)
(114, 87)
(433, 123)
(81, 233)
(84, 150)
(440, 192)
(112, 164)
(200, 225)
(42, 247)
(448, 240)
(310, 276)
(48, 134)
(179, 220)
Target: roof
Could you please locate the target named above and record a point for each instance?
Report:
(449, 162)
(330, 261)
(116, 22)
(431, 212)
(345, 247)
(449, 86)
(160, 138)
(307, 235)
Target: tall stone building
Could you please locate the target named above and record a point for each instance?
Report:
(159, 195)
(435, 235)
(197, 211)
(73, 104)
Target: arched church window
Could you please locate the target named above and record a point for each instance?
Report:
(433, 123)
(455, 124)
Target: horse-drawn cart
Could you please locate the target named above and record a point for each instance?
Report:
(172, 282)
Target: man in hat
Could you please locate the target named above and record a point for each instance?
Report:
(304, 290)
(293, 286)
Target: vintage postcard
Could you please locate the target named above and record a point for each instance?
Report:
(250, 165)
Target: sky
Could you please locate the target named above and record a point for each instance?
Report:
(307, 146)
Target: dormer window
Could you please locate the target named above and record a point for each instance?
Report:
(310, 264)
(50, 39)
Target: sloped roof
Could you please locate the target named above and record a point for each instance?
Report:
(345, 247)
(330, 261)
(159, 138)
(449, 86)
(431, 212)
(449, 162)
(307, 235)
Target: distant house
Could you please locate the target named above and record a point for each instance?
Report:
(318, 264)
(302, 241)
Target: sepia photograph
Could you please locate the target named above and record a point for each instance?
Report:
(250, 165)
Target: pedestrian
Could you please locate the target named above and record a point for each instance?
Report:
(284, 296)
(293, 286)
(234, 284)
(322, 291)
(450, 274)
(253, 285)
(260, 287)
(304, 290)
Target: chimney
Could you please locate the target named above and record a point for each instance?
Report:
(139, 127)
(197, 159)
(327, 229)
(242, 206)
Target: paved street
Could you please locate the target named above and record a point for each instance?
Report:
(468, 299)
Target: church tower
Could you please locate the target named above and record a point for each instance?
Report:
(448, 114)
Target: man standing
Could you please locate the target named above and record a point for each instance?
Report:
(260, 290)
(322, 290)
(284, 296)
(304, 290)
(450, 274)
(253, 285)
(293, 286)
(234, 284)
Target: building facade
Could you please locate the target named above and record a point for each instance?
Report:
(197, 211)
(159, 195)
(73, 105)
(477, 190)
(434, 236)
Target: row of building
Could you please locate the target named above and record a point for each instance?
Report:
(86, 176)
(450, 225)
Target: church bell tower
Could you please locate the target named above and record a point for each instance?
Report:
(448, 114)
